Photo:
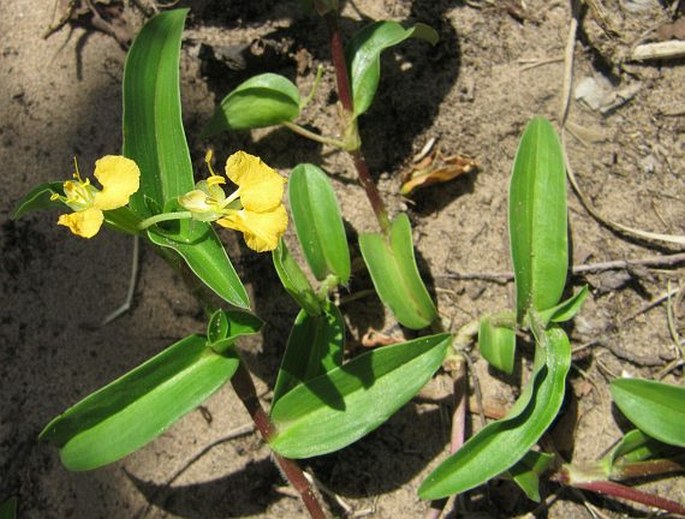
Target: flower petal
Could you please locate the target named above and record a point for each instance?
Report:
(84, 223)
(120, 178)
(261, 187)
(260, 230)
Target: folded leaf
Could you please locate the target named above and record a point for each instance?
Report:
(364, 53)
(499, 445)
(537, 219)
(656, 408)
(199, 246)
(333, 410)
(395, 275)
(136, 408)
(153, 127)
(263, 100)
(318, 222)
(315, 347)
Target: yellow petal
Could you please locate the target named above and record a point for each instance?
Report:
(261, 188)
(260, 230)
(120, 178)
(85, 223)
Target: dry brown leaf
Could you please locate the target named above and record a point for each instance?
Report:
(435, 168)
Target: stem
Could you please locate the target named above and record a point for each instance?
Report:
(164, 217)
(317, 80)
(345, 95)
(609, 488)
(245, 389)
(314, 136)
(647, 468)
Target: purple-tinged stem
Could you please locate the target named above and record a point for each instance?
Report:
(245, 389)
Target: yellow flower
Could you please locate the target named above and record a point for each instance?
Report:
(255, 208)
(120, 178)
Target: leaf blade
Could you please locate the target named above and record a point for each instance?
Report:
(656, 408)
(501, 444)
(333, 410)
(395, 275)
(136, 408)
(537, 219)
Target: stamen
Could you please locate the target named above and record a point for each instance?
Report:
(208, 160)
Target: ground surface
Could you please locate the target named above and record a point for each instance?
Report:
(61, 97)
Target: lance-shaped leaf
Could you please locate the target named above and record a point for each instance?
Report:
(153, 128)
(364, 56)
(315, 347)
(393, 269)
(497, 343)
(333, 410)
(294, 280)
(499, 445)
(318, 222)
(133, 410)
(198, 244)
(537, 219)
(155, 139)
(656, 408)
(263, 100)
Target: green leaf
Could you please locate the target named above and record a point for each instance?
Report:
(8, 508)
(364, 53)
(526, 472)
(315, 347)
(499, 445)
(38, 199)
(656, 408)
(153, 128)
(333, 410)
(198, 244)
(133, 410)
(294, 280)
(318, 222)
(566, 310)
(395, 275)
(497, 343)
(263, 100)
(537, 219)
(635, 446)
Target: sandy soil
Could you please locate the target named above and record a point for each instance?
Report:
(61, 97)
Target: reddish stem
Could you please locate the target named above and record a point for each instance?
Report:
(345, 94)
(246, 391)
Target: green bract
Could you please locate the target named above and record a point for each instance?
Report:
(263, 100)
(391, 263)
